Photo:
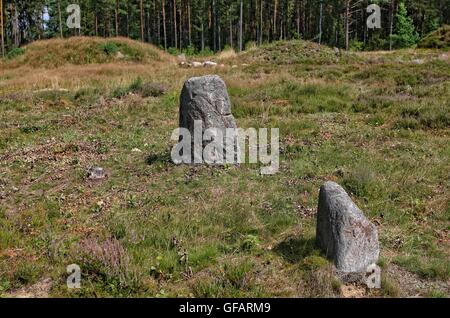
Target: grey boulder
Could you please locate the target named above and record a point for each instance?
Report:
(344, 234)
(206, 99)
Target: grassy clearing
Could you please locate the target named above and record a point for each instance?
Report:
(375, 122)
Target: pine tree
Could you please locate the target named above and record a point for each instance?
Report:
(406, 34)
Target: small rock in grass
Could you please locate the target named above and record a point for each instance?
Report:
(96, 173)
(209, 64)
(120, 56)
(196, 64)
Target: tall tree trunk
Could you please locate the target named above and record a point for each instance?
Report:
(275, 18)
(303, 19)
(16, 31)
(164, 23)
(96, 24)
(203, 36)
(219, 30)
(149, 36)
(214, 25)
(180, 8)
(60, 19)
(142, 20)
(231, 26)
(240, 25)
(104, 29)
(202, 19)
(347, 23)
(189, 22)
(39, 20)
(107, 28)
(175, 23)
(2, 32)
(365, 27)
(117, 17)
(158, 25)
(128, 19)
(391, 23)
(256, 24)
(320, 22)
(298, 18)
(261, 29)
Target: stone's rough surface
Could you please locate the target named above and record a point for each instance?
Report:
(344, 233)
(206, 99)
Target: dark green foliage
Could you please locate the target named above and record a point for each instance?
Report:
(110, 48)
(15, 53)
(439, 39)
(405, 33)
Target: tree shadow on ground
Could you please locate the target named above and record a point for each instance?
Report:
(295, 249)
(159, 158)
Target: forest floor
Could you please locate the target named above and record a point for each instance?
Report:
(377, 123)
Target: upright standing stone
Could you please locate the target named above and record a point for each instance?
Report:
(344, 233)
(206, 99)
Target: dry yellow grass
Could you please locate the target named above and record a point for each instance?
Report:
(226, 54)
